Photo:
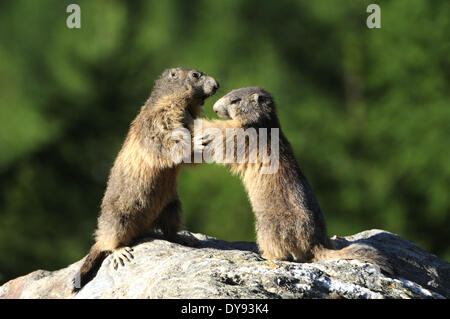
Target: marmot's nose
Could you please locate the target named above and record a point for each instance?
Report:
(215, 86)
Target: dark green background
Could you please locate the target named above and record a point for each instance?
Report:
(366, 110)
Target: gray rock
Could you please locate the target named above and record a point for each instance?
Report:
(220, 269)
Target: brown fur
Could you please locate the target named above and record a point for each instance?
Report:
(290, 224)
(141, 193)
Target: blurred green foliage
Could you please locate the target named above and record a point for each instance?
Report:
(366, 110)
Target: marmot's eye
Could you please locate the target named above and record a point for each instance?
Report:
(196, 75)
(235, 101)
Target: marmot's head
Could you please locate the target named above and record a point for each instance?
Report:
(250, 106)
(190, 84)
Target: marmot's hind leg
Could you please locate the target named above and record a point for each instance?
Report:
(170, 224)
(169, 221)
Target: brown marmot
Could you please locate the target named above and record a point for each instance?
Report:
(141, 192)
(290, 224)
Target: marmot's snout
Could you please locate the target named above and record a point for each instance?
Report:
(221, 107)
(210, 86)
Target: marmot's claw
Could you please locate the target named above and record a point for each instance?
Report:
(201, 141)
(121, 256)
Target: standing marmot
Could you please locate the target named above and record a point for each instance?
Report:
(141, 193)
(289, 222)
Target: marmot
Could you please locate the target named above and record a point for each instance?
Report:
(290, 224)
(141, 192)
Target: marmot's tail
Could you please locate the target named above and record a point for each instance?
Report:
(90, 267)
(360, 252)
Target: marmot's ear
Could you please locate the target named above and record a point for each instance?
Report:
(172, 74)
(255, 97)
(258, 98)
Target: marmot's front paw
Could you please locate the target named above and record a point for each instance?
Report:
(201, 141)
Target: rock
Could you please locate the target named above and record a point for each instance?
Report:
(220, 269)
